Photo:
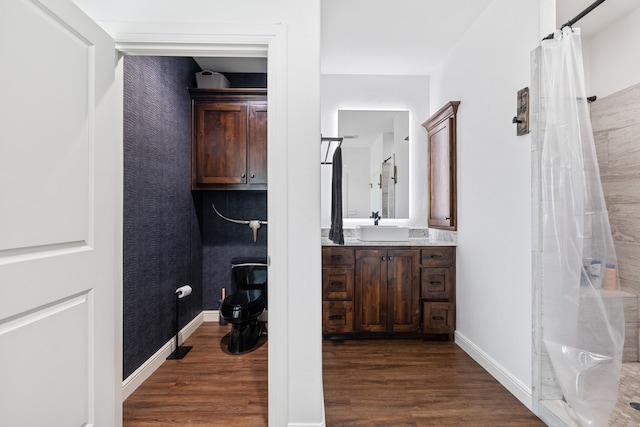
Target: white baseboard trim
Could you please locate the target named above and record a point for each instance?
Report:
(133, 381)
(504, 377)
(322, 423)
(211, 315)
(319, 424)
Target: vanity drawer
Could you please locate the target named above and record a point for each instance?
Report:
(337, 283)
(436, 283)
(438, 318)
(437, 256)
(337, 317)
(332, 257)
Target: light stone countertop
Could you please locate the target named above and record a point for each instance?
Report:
(417, 237)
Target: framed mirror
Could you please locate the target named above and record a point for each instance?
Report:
(375, 162)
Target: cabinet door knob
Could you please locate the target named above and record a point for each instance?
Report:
(384, 258)
(243, 175)
(253, 175)
(390, 258)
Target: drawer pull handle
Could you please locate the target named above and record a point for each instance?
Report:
(336, 257)
(438, 318)
(438, 284)
(336, 283)
(335, 317)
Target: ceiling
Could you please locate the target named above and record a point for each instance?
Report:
(407, 37)
(394, 38)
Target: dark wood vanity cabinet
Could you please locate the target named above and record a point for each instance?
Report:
(337, 290)
(388, 290)
(228, 139)
(441, 163)
(437, 290)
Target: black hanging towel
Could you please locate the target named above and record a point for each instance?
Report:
(336, 233)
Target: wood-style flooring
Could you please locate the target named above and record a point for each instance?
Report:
(413, 383)
(387, 383)
(209, 387)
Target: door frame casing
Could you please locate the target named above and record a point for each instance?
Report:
(222, 40)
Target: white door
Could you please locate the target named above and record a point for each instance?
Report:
(59, 231)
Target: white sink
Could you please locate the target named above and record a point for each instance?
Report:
(382, 233)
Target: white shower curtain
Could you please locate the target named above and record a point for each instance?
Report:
(582, 311)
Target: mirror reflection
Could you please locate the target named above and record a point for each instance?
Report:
(375, 162)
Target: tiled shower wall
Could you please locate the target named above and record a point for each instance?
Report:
(616, 127)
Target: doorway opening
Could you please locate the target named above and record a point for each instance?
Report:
(247, 45)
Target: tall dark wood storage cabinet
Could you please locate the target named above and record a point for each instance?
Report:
(228, 139)
(441, 139)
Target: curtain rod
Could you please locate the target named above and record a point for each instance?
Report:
(578, 17)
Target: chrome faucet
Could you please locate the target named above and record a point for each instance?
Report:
(376, 217)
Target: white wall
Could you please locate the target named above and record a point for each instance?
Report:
(297, 255)
(614, 56)
(494, 297)
(374, 92)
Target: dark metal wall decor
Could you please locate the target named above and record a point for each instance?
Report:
(522, 117)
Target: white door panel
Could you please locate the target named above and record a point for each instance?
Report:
(42, 150)
(53, 338)
(59, 245)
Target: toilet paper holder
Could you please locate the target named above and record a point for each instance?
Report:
(180, 351)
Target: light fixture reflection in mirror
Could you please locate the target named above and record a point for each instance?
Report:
(375, 160)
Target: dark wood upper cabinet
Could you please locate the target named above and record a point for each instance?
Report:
(257, 143)
(441, 138)
(228, 139)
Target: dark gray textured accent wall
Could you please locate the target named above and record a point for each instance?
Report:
(223, 241)
(247, 79)
(162, 238)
